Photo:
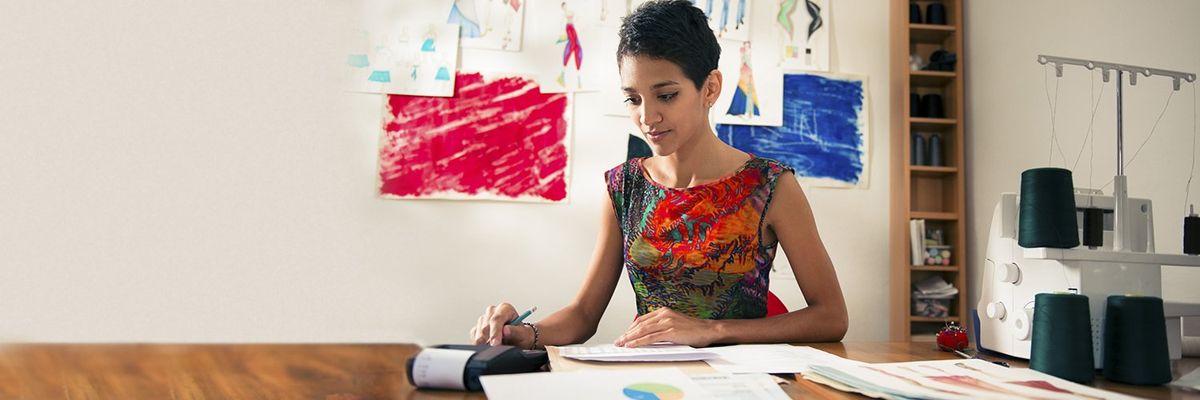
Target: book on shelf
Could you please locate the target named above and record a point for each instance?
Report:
(916, 232)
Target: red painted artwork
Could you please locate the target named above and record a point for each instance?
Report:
(499, 139)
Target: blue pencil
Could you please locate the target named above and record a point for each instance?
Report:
(517, 321)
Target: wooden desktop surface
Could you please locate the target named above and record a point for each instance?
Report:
(323, 371)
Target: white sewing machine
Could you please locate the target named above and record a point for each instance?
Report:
(1013, 275)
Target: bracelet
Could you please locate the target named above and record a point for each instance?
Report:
(536, 334)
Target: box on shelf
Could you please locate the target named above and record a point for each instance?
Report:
(936, 306)
(937, 255)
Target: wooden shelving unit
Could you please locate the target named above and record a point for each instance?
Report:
(933, 193)
(932, 78)
(931, 124)
(929, 33)
(942, 268)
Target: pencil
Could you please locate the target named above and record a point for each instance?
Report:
(517, 321)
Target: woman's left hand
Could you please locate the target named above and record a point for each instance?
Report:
(667, 325)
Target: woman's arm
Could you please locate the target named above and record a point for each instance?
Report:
(576, 322)
(825, 318)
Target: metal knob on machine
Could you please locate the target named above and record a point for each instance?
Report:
(995, 310)
(1023, 321)
(1009, 273)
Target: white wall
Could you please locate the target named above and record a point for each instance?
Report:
(1008, 125)
(193, 172)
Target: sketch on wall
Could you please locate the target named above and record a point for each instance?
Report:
(497, 139)
(572, 49)
(611, 11)
(804, 25)
(729, 19)
(569, 59)
(405, 59)
(825, 130)
(489, 24)
(752, 93)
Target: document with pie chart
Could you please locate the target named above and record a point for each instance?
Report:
(636, 384)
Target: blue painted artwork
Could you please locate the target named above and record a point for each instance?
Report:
(359, 61)
(824, 130)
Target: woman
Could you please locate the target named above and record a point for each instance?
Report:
(697, 225)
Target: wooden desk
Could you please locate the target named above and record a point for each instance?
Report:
(317, 371)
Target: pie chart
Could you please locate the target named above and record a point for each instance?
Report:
(652, 391)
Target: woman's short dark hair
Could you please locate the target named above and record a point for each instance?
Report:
(672, 30)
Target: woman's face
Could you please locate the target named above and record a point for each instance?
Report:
(663, 103)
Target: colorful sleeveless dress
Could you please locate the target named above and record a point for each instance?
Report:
(697, 250)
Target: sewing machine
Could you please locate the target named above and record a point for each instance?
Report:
(1013, 275)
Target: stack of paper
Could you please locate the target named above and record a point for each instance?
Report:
(742, 375)
(632, 383)
(951, 379)
(661, 383)
(656, 352)
(934, 287)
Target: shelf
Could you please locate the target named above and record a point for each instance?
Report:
(938, 268)
(941, 216)
(926, 170)
(928, 33)
(1116, 257)
(932, 123)
(931, 78)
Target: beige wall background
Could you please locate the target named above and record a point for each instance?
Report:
(1008, 125)
(193, 172)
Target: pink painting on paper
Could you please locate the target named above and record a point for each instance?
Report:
(496, 139)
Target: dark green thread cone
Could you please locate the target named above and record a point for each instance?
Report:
(1047, 209)
(1062, 337)
(1135, 341)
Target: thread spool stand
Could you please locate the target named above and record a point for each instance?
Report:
(1120, 184)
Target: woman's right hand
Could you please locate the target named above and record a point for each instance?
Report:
(492, 328)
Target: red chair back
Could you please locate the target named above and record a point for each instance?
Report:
(774, 305)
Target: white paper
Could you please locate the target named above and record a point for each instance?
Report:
(611, 12)
(1190, 381)
(741, 386)
(441, 368)
(729, 19)
(635, 383)
(486, 24)
(760, 83)
(934, 287)
(655, 352)
(771, 358)
(801, 48)
(400, 58)
(569, 54)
